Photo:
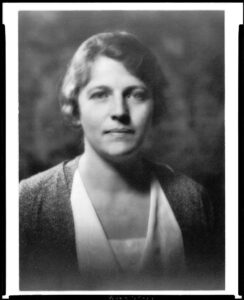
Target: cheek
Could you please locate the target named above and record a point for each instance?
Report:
(86, 117)
(144, 114)
(91, 118)
(88, 122)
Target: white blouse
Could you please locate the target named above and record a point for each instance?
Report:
(161, 249)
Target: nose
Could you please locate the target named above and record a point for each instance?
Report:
(120, 110)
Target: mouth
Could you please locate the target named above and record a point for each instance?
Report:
(120, 131)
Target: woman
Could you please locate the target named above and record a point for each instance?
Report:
(111, 218)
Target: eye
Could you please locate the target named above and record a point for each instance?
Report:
(139, 95)
(99, 95)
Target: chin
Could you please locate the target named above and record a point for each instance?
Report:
(122, 154)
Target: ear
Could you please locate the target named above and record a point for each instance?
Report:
(76, 120)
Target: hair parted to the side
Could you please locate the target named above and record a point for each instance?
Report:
(123, 47)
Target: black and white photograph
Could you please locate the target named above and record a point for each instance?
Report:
(122, 150)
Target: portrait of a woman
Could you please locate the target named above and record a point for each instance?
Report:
(111, 218)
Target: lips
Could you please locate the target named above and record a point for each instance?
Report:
(120, 130)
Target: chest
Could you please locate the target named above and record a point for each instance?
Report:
(103, 227)
(123, 215)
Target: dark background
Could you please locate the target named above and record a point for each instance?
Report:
(190, 49)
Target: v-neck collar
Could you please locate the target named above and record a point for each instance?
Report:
(85, 213)
(94, 251)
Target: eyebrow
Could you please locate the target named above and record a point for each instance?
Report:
(133, 87)
(128, 88)
(99, 87)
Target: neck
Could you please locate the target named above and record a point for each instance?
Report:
(112, 175)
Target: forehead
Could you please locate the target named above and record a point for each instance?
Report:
(105, 70)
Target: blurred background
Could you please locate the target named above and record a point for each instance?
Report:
(190, 48)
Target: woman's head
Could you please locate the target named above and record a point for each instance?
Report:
(120, 46)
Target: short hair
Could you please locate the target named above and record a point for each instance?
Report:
(123, 47)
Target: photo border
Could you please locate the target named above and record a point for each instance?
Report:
(11, 139)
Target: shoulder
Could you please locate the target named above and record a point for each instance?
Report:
(32, 191)
(45, 186)
(41, 180)
(35, 188)
(47, 180)
(175, 180)
(189, 199)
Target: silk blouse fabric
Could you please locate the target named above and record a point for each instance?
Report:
(61, 251)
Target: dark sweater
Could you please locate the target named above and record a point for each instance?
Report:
(48, 258)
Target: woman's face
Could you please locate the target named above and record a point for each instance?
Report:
(115, 110)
